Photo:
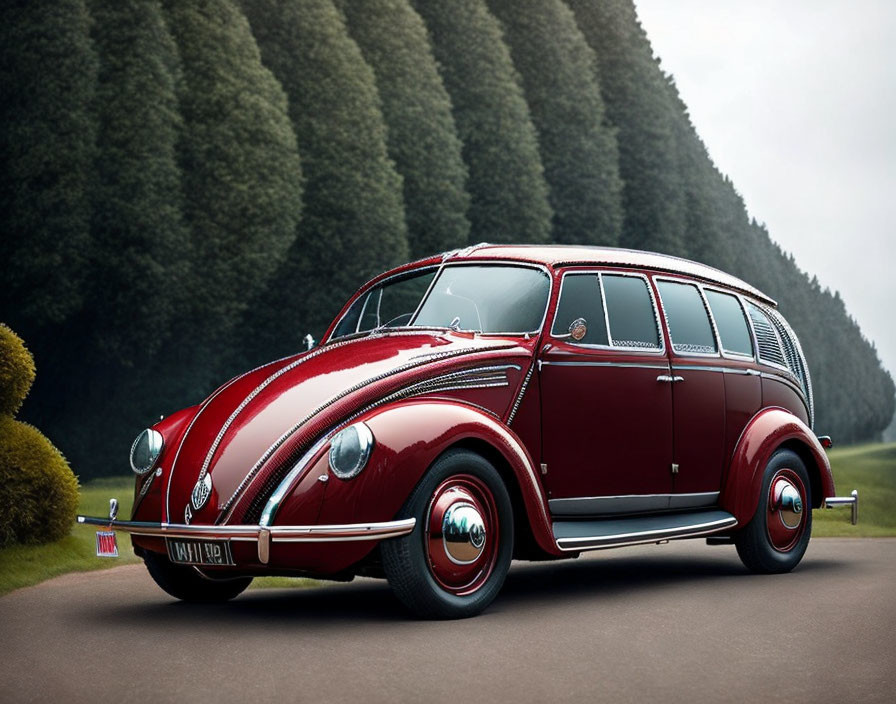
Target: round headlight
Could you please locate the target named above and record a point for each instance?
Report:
(350, 449)
(146, 450)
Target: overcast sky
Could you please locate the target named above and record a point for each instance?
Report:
(796, 102)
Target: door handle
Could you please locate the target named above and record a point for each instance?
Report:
(669, 379)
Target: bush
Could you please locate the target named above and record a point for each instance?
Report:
(16, 371)
(38, 491)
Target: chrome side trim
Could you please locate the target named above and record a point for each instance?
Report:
(648, 536)
(283, 438)
(346, 532)
(519, 396)
(631, 365)
(630, 503)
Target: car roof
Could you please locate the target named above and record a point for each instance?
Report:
(558, 256)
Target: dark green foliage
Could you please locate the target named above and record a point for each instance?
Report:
(577, 146)
(509, 196)
(241, 173)
(16, 371)
(140, 243)
(353, 225)
(638, 104)
(421, 135)
(48, 76)
(38, 492)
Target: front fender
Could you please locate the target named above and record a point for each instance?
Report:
(769, 430)
(409, 436)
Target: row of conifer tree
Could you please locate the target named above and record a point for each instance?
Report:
(191, 185)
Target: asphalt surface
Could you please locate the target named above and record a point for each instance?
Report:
(677, 622)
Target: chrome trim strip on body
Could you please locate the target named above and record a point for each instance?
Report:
(346, 532)
(630, 503)
(522, 392)
(632, 365)
(649, 536)
(283, 438)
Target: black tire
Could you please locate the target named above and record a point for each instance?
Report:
(184, 583)
(755, 543)
(413, 572)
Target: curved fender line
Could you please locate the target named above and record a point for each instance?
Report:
(765, 433)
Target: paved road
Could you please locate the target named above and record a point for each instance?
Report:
(678, 622)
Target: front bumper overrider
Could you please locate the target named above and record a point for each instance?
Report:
(263, 535)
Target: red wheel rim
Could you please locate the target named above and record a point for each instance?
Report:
(462, 534)
(786, 510)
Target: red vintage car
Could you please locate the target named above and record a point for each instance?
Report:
(498, 402)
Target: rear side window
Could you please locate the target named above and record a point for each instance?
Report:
(766, 337)
(630, 312)
(580, 297)
(730, 322)
(689, 325)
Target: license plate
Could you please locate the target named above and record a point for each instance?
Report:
(199, 552)
(106, 544)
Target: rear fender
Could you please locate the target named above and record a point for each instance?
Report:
(769, 430)
(409, 437)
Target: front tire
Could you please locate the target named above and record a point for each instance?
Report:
(454, 562)
(185, 583)
(776, 538)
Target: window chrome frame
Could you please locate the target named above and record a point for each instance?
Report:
(439, 267)
(712, 323)
(653, 351)
(738, 356)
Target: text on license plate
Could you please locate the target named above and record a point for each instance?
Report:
(199, 552)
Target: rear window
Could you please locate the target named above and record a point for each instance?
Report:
(630, 312)
(730, 322)
(689, 325)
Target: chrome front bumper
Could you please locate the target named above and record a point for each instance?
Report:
(851, 500)
(263, 535)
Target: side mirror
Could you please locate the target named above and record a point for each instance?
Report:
(309, 342)
(578, 328)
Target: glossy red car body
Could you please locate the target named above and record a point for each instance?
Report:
(577, 432)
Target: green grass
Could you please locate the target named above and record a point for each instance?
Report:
(869, 468)
(872, 470)
(23, 565)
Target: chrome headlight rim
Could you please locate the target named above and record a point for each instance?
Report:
(350, 450)
(154, 444)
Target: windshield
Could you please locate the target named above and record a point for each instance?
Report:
(485, 298)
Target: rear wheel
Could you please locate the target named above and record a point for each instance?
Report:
(776, 537)
(454, 562)
(185, 583)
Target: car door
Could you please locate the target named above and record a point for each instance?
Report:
(698, 394)
(606, 419)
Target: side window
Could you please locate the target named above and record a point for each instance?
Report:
(630, 312)
(731, 323)
(580, 298)
(766, 338)
(689, 325)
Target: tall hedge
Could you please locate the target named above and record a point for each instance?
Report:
(638, 104)
(47, 130)
(421, 134)
(141, 245)
(508, 192)
(576, 143)
(242, 177)
(353, 225)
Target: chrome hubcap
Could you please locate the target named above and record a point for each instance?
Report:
(786, 515)
(788, 503)
(463, 533)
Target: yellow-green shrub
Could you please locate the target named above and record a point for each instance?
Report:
(38, 492)
(16, 371)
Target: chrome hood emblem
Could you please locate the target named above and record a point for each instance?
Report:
(202, 490)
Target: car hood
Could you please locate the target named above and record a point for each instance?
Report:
(266, 416)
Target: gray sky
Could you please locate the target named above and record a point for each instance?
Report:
(796, 102)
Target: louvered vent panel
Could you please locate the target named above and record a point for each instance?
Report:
(769, 347)
(796, 360)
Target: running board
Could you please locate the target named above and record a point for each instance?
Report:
(576, 536)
